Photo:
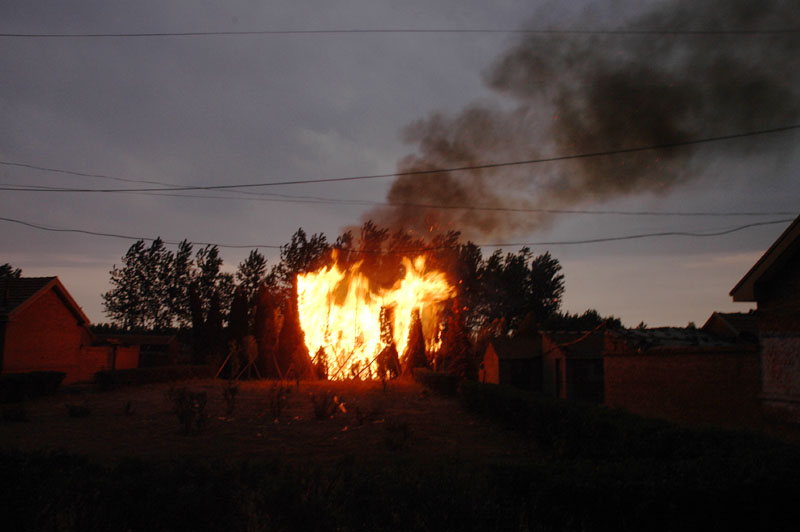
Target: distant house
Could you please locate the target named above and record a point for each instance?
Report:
(773, 283)
(733, 325)
(572, 365)
(42, 328)
(152, 349)
(686, 375)
(515, 361)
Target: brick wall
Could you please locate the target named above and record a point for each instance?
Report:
(779, 333)
(45, 336)
(716, 386)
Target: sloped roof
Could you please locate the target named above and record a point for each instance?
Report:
(740, 324)
(18, 293)
(578, 344)
(778, 253)
(645, 339)
(516, 348)
(135, 339)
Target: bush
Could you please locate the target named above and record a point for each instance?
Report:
(190, 407)
(16, 387)
(112, 379)
(576, 430)
(441, 383)
(325, 405)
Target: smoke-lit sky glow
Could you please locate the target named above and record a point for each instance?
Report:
(207, 110)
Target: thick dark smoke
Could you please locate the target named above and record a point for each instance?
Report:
(573, 94)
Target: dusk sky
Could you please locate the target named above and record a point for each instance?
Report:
(205, 110)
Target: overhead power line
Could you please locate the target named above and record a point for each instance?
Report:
(487, 166)
(312, 200)
(690, 234)
(363, 31)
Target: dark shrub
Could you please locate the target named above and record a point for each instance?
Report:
(441, 383)
(16, 387)
(112, 379)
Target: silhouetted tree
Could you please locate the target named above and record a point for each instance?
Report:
(564, 321)
(251, 273)
(300, 255)
(455, 355)
(125, 302)
(213, 332)
(545, 287)
(211, 279)
(238, 318)
(292, 350)
(181, 274)
(198, 326)
(9, 272)
(266, 329)
(414, 356)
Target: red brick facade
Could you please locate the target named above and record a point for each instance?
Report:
(697, 385)
(45, 335)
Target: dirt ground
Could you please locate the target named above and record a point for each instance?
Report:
(370, 424)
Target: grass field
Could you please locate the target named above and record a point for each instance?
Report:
(141, 422)
(487, 458)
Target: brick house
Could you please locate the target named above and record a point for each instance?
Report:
(572, 365)
(685, 375)
(773, 283)
(42, 328)
(152, 349)
(515, 361)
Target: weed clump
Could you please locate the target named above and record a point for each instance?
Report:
(398, 433)
(81, 410)
(229, 394)
(278, 397)
(190, 407)
(15, 414)
(326, 404)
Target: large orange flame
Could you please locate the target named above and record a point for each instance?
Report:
(341, 313)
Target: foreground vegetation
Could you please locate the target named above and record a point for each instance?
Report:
(596, 469)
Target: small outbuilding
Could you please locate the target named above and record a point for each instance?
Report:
(514, 361)
(572, 365)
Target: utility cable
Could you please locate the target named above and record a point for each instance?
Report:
(312, 200)
(532, 31)
(422, 249)
(527, 162)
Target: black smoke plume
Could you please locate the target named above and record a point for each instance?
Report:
(572, 94)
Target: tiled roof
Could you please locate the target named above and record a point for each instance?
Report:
(787, 245)
(578, 344)
(670, 337)
(135, 339)
(742, 323)
(15, 292)
(521, 347)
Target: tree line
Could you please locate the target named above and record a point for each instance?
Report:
(252, 312)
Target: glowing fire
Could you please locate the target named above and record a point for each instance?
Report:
(341, 313)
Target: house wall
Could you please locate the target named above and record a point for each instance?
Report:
(491, 367)
(779, 332)
(715, 386)
(45, 336)
(523, 373)
(127, 357)
(554, 377)
(584, 379)
(93, 359)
